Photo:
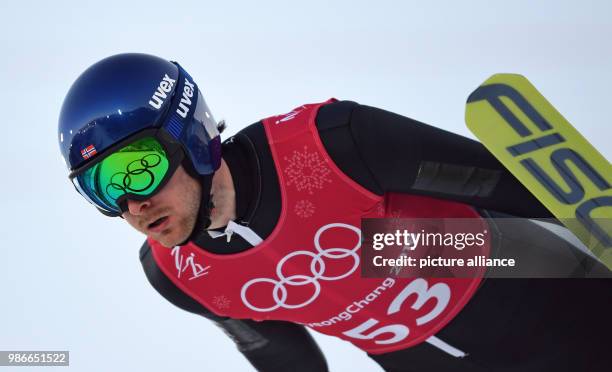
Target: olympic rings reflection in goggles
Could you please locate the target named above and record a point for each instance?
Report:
(136, 168)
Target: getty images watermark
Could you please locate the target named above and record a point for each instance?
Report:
(473, 247)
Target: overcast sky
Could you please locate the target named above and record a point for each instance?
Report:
(71, 279)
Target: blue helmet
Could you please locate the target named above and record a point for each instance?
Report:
(124, 94)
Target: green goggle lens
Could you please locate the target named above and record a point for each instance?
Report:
(136, 169)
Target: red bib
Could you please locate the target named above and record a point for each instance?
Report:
(308, 270)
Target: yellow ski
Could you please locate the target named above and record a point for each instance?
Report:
(548, 155)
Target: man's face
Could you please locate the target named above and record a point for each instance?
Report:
(170, 215)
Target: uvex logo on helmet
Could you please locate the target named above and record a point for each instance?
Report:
(160, 94)
(183, 108)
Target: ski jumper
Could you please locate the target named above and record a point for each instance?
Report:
(308, 270)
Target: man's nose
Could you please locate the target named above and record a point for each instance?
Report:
(137, 207)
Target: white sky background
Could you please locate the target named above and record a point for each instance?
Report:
(71, 279)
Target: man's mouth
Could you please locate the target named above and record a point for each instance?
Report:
(158, 224)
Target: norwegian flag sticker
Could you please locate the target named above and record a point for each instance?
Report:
(88, 152)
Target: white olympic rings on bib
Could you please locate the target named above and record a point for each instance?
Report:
(317, 271)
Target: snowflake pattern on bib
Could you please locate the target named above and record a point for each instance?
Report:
(304, 208)
(397, 213)
(221, 302)
(380, 208)
(307, 171)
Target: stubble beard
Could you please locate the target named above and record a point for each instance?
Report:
(186, 216)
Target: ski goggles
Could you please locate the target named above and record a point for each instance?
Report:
(136, 168)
